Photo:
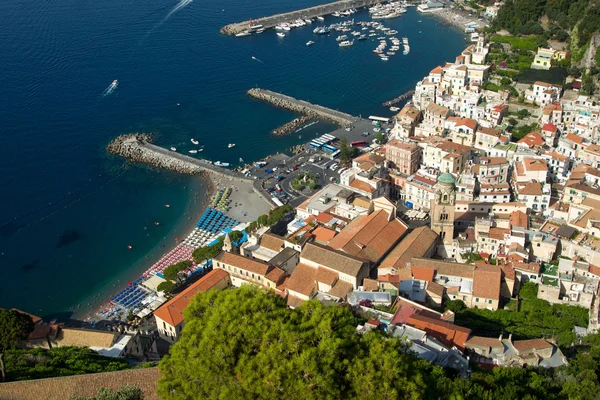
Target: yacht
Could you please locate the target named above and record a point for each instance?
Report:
(280, 34)
(193, 151)
(261, 30)
(362, 37)
(341, 38)
(230, 145)
(346, 43)
(320, 18)
(195, 141)
(113, 85)
(310, 42)
(173, 149)
(278, 27)
(221, 164)
(243, 33)
(394, 109)
(308, 21)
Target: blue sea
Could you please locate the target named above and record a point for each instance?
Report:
(68, 210)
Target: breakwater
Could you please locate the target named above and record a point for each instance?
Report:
(311, 12)
(302, 107)
(292, 125)
(399, 98)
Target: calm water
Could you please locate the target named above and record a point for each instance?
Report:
(74, 209)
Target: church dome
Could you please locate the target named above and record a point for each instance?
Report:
(447, 178)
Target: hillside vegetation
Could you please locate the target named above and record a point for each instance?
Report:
(576, 21)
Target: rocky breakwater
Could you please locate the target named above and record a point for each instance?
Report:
(138, 148)
(302, 107)
(293, 125)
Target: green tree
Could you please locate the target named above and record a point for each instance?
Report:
(167, 286)
(126, 392)
(236, 236)
(14, 328)
(529, 290)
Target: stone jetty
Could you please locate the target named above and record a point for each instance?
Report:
(311, 12)
(293, 125)
(398, 99)
(302, 107)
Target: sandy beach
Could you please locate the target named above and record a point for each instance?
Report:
(246, 206)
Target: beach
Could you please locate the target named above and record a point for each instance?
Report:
(457, 18)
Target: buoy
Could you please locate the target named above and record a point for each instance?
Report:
(166, 205)
(129, 247)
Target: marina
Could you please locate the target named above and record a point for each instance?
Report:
(306, 13)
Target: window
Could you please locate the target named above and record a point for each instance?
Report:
(489, 301)
(477, 299)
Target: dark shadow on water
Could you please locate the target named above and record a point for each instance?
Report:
(9, 229)
(29, 266)
(68, 237)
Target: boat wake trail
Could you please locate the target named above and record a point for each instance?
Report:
(110, 89)
(256, 59)
(178, 7)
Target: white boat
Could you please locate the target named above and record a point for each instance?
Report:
(113, 85)
(341, 38)
(261, 30)
(221, 164)
(308, 21)
(230, 145)
(241, 160)
(384, 58)
(394, 109)
(173, 149)
(193, 151)
(310, 42)
(320, 18)
(286, 28)
(243, 33)
(195, 141)
(280, 34)
(346, 43)
(279, 27)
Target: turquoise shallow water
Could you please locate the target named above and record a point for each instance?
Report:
(68, 210)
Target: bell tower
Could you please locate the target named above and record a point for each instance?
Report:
(442, 208)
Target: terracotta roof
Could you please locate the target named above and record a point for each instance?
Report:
(332, 259)
(323, 235)
(532, 140)
(34, 318)
(529, 189)
(438, 110)
(303, 279)
(410, 112)
(374, 158)
(445, 268)
(437, 70)
(520, 219)
(532, 164)
(275, 275)
(271, 242)
(486, 282)
(406, 308)
(395, 143)
(370, 285)
(489, 131)
(86, 338)
(468, 122)
(537, 344)
(498, 233)
(544, 84)
(435, 288)
(556, 156)
(393, 278)
(369, 236)
(241, 262)
(294, 302)
(340, 289)
(509, 273)
(549, 127)
(574, 138)
(326, 276)
(445, 331)
(592, 148)
(594, 270)
(172, 311)
(480, 341)
(77, 386)
(415, 244)
(529, 267)
(362, 186)
(324, 217)
(422, 273)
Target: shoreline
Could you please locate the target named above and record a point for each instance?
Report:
(90, 314)
(455, 18)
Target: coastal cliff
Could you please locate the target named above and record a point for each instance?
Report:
(134, 148)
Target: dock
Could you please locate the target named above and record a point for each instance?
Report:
(302, 107)
(311, 12)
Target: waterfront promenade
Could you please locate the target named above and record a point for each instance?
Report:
(311, 12)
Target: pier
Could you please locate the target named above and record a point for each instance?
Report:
(311, 12)
(302, 107)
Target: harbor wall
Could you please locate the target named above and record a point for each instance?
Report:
(302, 107)
(138, 147)
(293, 125)
(311, 12)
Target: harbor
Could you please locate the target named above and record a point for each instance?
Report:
(311, 12)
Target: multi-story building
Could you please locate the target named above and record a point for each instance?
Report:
(491, 170)
(543, 93)
(405, 157)
(531, 169)
(405, 122)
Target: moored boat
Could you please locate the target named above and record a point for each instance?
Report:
(310, 42)
(280, 34)
(194, 141)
